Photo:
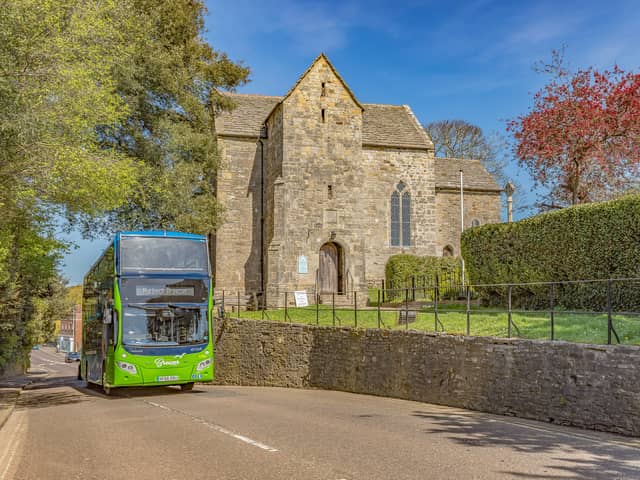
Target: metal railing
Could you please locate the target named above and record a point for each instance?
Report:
(603, 311)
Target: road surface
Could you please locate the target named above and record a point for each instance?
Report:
(62, 430)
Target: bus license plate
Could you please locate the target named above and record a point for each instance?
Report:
(169, 378)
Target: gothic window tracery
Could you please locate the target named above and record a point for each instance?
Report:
(401, 216)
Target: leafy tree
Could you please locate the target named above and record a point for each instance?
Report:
(105, 106)
(581, 139)
(56, 88)
(461, 139)
(172, 93)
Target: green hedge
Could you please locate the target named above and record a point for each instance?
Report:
(594, 241)
(402, 268)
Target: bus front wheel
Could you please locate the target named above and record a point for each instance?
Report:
(186, 387)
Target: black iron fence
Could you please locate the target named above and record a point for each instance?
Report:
(536, 310)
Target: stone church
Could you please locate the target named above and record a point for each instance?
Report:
(320, 190)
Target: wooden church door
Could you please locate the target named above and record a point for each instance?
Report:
(329, 271)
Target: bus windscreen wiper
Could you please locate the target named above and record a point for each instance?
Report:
(144, 307)
(178, 307)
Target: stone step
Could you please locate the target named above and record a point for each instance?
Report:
(341, 300)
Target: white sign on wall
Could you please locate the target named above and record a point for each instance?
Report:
(301, 298)
(302, 264)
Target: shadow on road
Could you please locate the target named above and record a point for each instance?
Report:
(598, 459)
(130, 392)
(47, 392)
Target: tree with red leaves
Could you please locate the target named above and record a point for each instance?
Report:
(581, 139)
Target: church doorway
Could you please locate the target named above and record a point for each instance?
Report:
(331, 270)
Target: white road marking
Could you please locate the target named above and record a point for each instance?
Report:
(13, 429)
(217, 428)
(159, 406)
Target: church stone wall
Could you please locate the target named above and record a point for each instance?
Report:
(275, 207)
(384, 168)
(320, 185)
(483, 206)
(318, 152)
(237, 241)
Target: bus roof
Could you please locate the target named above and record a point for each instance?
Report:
(160, 233)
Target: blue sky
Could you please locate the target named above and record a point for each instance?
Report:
(469, 60)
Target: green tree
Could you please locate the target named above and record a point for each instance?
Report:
(172, 92)
(56, 88)
(106, 111)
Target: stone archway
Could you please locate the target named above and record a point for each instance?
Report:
(447, 251)
(331, 268)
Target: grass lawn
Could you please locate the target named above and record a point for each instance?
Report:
(569, 326)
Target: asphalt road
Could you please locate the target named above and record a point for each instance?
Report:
(62, 430)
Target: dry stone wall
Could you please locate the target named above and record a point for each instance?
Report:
(589, 386)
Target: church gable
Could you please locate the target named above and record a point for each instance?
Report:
(320, 95)
(321, 103)
(329, 77)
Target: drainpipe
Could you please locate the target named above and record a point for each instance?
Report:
(263, 134)
(462, 222)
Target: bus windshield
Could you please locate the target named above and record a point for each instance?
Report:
(140, 254)
(164, 311)
(164, 325)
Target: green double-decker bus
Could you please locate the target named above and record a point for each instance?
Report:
(147, 310)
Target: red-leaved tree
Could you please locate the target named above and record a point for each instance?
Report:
(581, 139)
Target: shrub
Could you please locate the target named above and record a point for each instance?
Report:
(402, 271)
(586, 242)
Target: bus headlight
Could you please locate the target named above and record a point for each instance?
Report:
(204, 364)
(127, 367)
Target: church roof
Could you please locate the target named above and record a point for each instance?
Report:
(392, 125)
(382, 125)
(248, 116)
(475, 176)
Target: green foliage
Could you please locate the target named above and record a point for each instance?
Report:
(595, 241)
(106, 111)
(55, 88)
(171, 93)
(31, 292)
(400, 270)
(74, 294)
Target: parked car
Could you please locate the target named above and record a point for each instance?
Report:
(72, 357)
(35, 347)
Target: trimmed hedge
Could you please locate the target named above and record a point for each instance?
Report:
(586, 242)
(400, 270)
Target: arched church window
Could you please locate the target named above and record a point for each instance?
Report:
(447, 251)
(401, 216)
(475, 222)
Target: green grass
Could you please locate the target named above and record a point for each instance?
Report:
(569, 326)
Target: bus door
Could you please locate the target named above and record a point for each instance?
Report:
(109, 335)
